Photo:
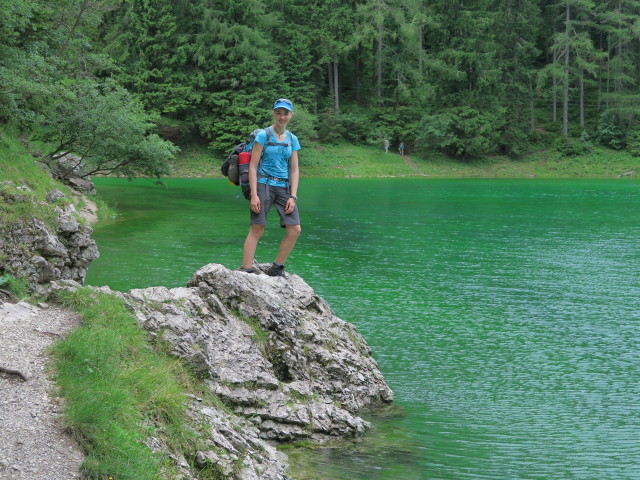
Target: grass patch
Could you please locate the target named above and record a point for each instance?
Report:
(18, 287)
(196, 160)
(354, 161)
(598, 163)
(261, 336)
(345, 160)
(20, 167)
(119, 390)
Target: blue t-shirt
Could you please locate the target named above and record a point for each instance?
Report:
(275, 158)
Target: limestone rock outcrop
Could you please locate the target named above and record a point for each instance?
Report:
(43, 253)
(271, 347)
(272, 351)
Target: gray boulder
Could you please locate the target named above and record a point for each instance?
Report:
(60, 250)
(271, 348)
(285, 367)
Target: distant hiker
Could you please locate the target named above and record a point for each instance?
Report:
(386, 146)
(401, 148)
(273, 178)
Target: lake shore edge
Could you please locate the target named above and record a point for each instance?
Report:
(351, 161)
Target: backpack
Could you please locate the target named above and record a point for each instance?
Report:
(230, 168)
(238, 173)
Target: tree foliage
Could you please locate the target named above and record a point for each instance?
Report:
(465, 77)
(109, 132)
(55, 83)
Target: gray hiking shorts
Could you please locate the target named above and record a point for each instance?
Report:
(277, 197)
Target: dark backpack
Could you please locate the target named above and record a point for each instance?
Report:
(237, 173)
(229, 167)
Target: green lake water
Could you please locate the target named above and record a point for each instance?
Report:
(504, 314)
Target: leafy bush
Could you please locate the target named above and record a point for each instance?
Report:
(355, 127)
(303, 124)
(329, 127)
(109, 131)
(633, 144)
(609, 133)
(568, 147)
(461, 131)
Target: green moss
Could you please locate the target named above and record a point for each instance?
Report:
(261, 335)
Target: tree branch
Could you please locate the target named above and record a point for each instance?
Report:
(72, 30)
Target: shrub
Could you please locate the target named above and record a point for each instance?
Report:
(462, 131)
(568, 147)
(609, 133)
(633, 143)
(109, 130)
(303, 124)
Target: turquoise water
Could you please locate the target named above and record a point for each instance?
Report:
(504, 314)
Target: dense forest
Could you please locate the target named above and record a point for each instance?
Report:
(114, 80)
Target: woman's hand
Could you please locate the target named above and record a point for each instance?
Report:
(291, 204)
(255, 203)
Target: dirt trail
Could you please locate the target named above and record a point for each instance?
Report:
(412, 165)
(33, 443)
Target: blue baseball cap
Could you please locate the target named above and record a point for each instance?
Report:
(283, 103)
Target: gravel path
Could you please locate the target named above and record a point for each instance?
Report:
(33, 445)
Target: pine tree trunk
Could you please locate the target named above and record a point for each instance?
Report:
(565, 83)
(330, 77)
(532, 124)
(608, 71)
(379, 63)
(581, 100)
(336, 85)
(73, 28)
(554, 95)
(420, 50)
(358, 93)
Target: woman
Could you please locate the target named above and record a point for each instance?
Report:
(273, 178)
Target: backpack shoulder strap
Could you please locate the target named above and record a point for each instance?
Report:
(269, 142)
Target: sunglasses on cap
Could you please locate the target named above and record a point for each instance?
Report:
(283, 103)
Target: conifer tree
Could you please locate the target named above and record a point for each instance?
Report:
(143, 38)
(573, 51)
(618, 22)
(518, 22)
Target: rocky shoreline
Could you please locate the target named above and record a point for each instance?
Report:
(273, 351)
(284, 366)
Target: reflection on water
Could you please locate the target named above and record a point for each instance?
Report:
(503, 313)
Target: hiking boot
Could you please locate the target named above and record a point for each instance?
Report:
(276, 270)
(247, 270)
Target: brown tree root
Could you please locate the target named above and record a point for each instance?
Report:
(13, 372)
(6, 296)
